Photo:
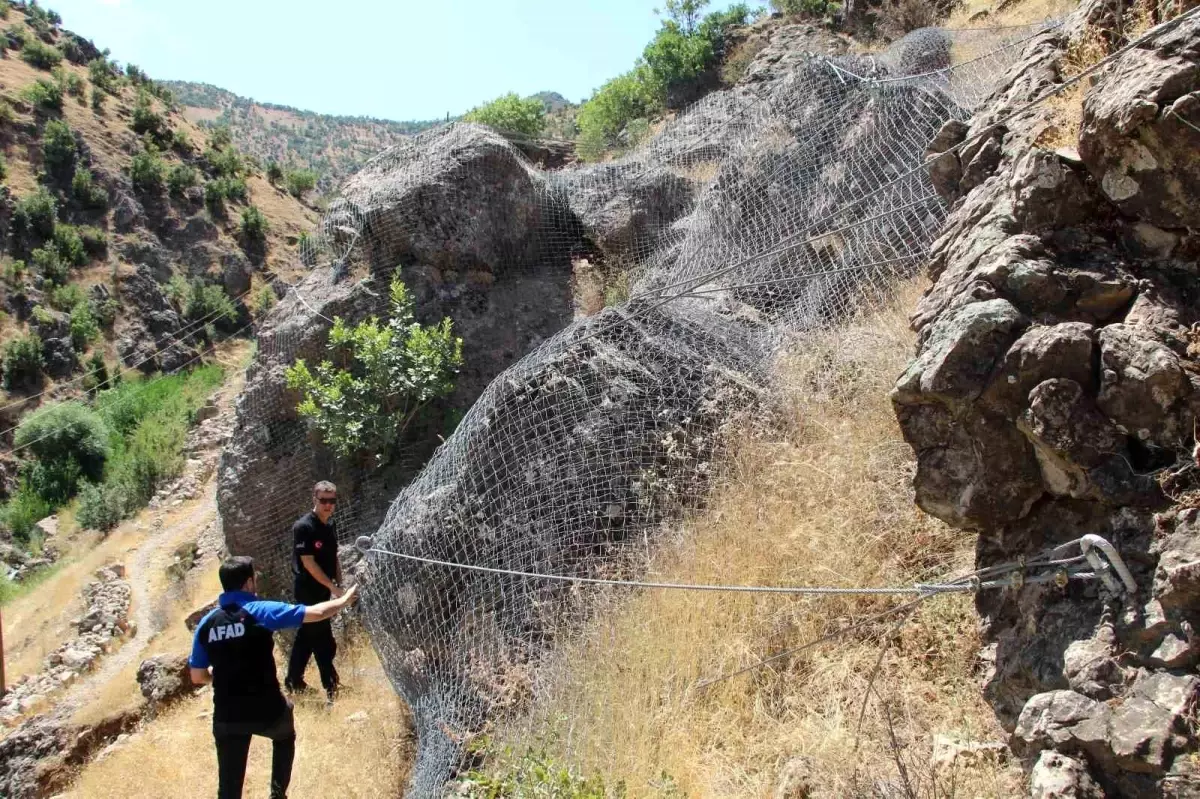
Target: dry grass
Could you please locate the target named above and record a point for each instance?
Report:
(1001, 13)
(335, 756)
(828, 503)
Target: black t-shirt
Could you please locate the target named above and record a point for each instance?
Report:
(312, 537)
(241, 653)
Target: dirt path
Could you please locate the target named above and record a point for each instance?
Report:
(141, 571)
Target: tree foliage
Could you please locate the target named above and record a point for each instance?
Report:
(511, 114)
(379, 377)
(299, 181)
(58, 146)
(69, 441)
(22, 361)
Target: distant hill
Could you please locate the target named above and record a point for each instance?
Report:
(332, 146)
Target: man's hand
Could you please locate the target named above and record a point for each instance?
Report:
(336, 592)
(325, 610)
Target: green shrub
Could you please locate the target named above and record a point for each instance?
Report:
(95, 377)
(385, 374)
(58, 146)
(226, 162)
(14, 273)
(7, 115)
(22, 512)
(65, 298)
(43, 94)
(146, 121)
(3, 167)
(220, 138)
(511, 114)
(808, 8)
(84, 327)
(22, 361)
(5, 7)
(71, 84)
(86, 191)
(69, 245)
(274, 172)
(98, 100)
(68, 434)
(148, 172)
(95, 241)
(35, 215)
(254, 226)
(209, 302)
(15, 37)
(106, 311)
(300, 182)
(618, 102)
(217, 191)
(181, 178)
(103, 76)
(46, 262)
(41, 56)
(136, 76)
(100, 507)
(534, 774)
(264, 300)
(674, 58)
(181, 142)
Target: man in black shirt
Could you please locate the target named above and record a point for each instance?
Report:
(233, 649)
(317, 573)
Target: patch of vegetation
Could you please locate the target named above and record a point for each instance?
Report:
(533, 773)
(148, 171)
(95, 241)
(44, 94)
(3, 167)
(98, 100)
(181, 178)
(220, 190)
(34, 218)
(46, 263)
(300, 182)
(104, 75)
(225, 162)
(254, 226)
(63, 443)
(208, 302)
(807, 8)
(86, 191)
(71, 84)
(274, 172)
(95, 377)
(511, 114)
(7, 115)
(85, 328)
(264, 300)
(683, 51)
(41, 56)
(69, 245)
(148, 122)
(22, 362)
(379, 378)
(135, 75)
(22, 512)
(59, 147)
(65, 298)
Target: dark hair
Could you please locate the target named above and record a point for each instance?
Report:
(236, 571)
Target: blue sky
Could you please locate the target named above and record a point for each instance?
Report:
(394, 60)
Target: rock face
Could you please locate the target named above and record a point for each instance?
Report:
(1054, 393)
(152, 326)
(164, 679)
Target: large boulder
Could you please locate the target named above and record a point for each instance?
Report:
(480, 238)
(165, 679)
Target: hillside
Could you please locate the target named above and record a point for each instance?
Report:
(133, 242)
(331, 146)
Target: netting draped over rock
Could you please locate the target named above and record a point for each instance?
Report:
(775, 207)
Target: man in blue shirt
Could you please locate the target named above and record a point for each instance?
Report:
(234, 650)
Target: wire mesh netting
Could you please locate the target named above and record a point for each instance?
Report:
(621, 321)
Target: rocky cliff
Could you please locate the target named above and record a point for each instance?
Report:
(1055, 392)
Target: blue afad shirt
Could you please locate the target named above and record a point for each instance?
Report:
(237, 640)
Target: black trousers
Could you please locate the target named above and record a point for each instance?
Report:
(233, 746)
(314, 640)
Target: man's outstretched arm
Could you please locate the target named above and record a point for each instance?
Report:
(325, 610)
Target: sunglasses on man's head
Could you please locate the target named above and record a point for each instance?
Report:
(327, 500)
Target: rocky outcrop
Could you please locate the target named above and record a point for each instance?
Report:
(152, 336)
(101, 627)
(1054, 393)
(164, 679)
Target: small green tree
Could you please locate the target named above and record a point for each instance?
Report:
(84, 327)
(96, 376)
(146, 121)
(684, 13)
(274, 172)
(147, 172)
(69, 245)
(380, 377)
(300, 182)
(86, 191)
(264, 299)
(617, 103)
(221, 137)
(511, 114)
(22, 361)
(35, 215)
(103, 75)
(58, 146)
(254, 226)
(50, 266)
(209, 302)
(44, 94)
(41, 56)
(69, 440)
(181, 178)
